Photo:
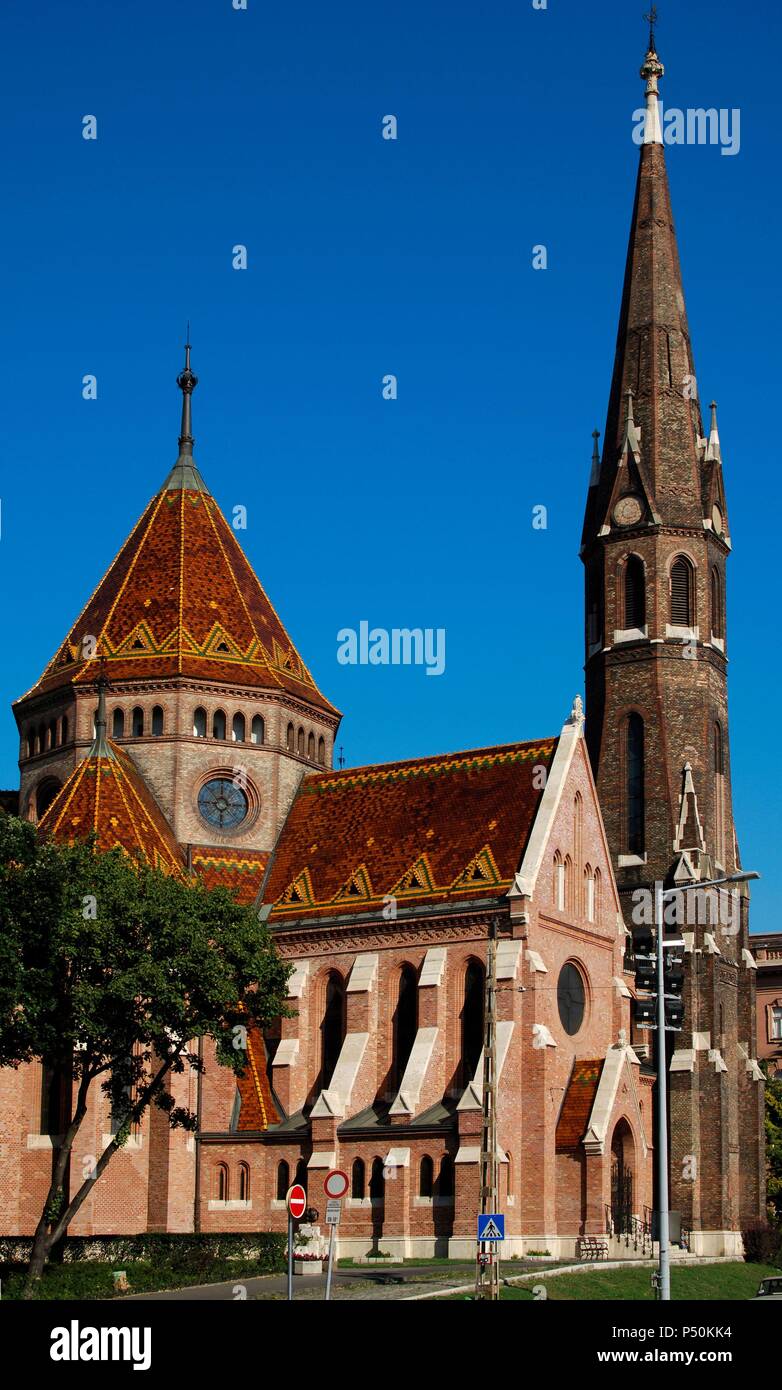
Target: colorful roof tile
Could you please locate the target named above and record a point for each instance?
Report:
(428, 830)
(578, 1102)
(240, 871)
(107, 795)
(258, 1109)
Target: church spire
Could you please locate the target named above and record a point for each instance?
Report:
(653, 351)
(184, 475)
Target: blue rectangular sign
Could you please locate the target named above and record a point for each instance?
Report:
(491, 1227)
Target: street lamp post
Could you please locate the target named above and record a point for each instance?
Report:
(660, 896)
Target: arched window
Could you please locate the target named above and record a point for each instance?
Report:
(45, 793)
(597, 894)
(405, 1021)
(290, 738)
(635, 593)
(41, 738)
(509, 1180)
(221, 1182)
(137, 722)
(157, 721)
(218, 724)
(322, 751)
(311, 747)
(594, 605)
(569, 885)
(358, 1182)
(332, 1028)
(719, 792)
(302, 1173)
(445, 1179)
(237, 729)
(472, 1019)
(377, 1181)
(681, 592)
(426, 1177)
(283, 1180)
(118, 723)
(578, 827)
(716, 604)
(258, 731)
(589, 894)
(52, 737)
(64, 729)
(300, 741)
(635, 784)
(30, 742)
(559, 882)
(244, 1182)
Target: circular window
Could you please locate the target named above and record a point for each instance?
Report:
(571, 998)
(222, 804)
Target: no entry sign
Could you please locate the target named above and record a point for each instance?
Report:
(297, 1201)
(336, 1183)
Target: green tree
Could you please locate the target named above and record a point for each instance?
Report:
(774, 1148)
(111, 970)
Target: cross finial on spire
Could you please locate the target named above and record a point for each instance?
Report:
(651, 19)
(187, 382)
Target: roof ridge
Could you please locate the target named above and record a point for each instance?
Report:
(427, 759)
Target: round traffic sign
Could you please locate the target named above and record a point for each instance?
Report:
(297, 1201)
(336, 1183)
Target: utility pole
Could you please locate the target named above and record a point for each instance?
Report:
(487, 1278)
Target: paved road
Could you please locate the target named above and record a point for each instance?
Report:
(346, 1284)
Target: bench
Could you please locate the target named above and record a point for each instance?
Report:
(593, 1248)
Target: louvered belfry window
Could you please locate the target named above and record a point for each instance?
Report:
(681, 593)
(635, 593)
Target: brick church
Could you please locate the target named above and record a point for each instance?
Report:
(211, 753)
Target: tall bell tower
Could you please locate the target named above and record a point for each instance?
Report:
(655, 546)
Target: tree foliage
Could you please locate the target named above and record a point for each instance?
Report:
(774, 1147)
(111, 970)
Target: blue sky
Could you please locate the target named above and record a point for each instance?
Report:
(366, 257)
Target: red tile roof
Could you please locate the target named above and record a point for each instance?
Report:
(258, 1110)
(428, 830)
(240, 871)
(106, 794)
(578, 1102)
(181, 599)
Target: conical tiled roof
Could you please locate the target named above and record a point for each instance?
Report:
(182, 599)
(107, 795)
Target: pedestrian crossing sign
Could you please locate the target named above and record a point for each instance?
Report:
(491, 1227)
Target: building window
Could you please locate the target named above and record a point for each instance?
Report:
(157, 721)
(302, 1173)
(589, 894)
(426, 1177)
(64, 729)
(137, 722)
(405, 1021)
(719, 793)
(290, 738)
(311, 747)
(472, 1019)
(45, 793)
(258, 731)
(52, 738)
(578, 827)
(559, 882)
(681, 592)
(218, 724)
(238, 728)
(283, 1180)
(358, 1180)
(118, 723)
(635, 784)
(222, 804)
(594, 606)
(571, 998)
(199, 723)
(300, 742)
(776, 1022)
(332, 1028)
(54, 1111)
(377, 1181)
(322, 751)
(244, 1182)
(41, 738)
(445, 1179)
(221, 1183)
(30, 742)
(569, 905)
(635, 593)
(716, 604)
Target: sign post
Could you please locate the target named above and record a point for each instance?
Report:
(335, 1186)
(296, 1202)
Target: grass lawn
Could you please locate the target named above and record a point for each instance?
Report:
(729, 1281)
(89, 1279)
